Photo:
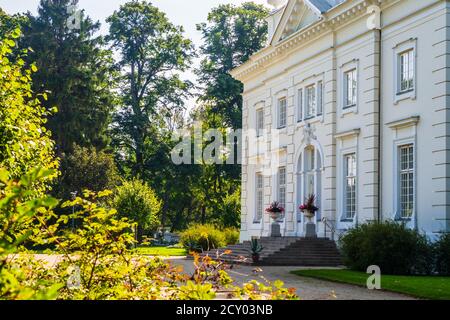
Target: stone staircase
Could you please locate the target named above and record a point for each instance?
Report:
(285, 251)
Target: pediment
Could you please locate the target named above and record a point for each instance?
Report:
(297, 15)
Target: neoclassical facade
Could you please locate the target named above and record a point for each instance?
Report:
(350, 101)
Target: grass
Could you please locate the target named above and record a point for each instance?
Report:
(425, 287)
(161, 251)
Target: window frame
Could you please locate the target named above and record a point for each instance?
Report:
(281, 125)
(399, 173)
(259, 113)
(281, 186)
(345, 68)
(259, 212)
(301, 94)
(300, 104)
(398, 50)
(346, 178)
(411, 73)
(346, 91)
(307, 114)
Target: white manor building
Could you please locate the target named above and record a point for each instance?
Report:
(350, 101)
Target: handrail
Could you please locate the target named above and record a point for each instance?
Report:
(327, 223)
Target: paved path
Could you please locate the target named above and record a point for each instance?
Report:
(307, 288)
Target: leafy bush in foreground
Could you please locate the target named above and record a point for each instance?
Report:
(95, 261)
(393, 247)
(24, 141)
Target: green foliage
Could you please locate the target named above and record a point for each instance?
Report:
(194, 291)
(256, 247)
(442, 252)
(231, 235)
(9, 23)
(95, 261)
(136, 201)
(86, 168)
(425, 287)
(22, 277)
(202, 237)
(75, 70)
(25, 144)
(152, 53)
(389, 245)
(231, 35)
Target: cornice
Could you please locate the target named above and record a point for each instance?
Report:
(347, 134)
(403, 123)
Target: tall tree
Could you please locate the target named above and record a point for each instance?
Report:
(231, 35)
(75, 70)
(153, 53)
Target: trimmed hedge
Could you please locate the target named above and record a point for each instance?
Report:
(389, 245)
(204, 237)
(442, 253)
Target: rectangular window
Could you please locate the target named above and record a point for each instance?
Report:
(310, 101)
(350, 88)
(319, 98)
(259, 122)
(282, 186)
(259, 197)
(300, 105)
(406, 180)
(282, 113)
(350, 186)
(406, 71)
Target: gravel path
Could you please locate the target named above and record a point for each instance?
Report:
(307, 288)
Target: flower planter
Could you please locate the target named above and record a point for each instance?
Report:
(309, 215)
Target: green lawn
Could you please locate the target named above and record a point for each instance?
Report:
(426, 287)
(161, 251)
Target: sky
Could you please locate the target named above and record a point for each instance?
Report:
(180, 12)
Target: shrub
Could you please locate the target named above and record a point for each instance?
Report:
(86, 168)
(231, 235)
(204, 237)
(136, 201)
(389, 245)
(442, 252)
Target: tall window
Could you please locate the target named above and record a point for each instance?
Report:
(282, 186)
(259, 122)
(350, 88)
(311, 101)
(319, 98)
(300, 105)
(350, 186)
(406, 180)
(282, 112)
(259, 197)
(310, 168)
(406, 71)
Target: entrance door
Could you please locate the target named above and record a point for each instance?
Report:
(309, 180)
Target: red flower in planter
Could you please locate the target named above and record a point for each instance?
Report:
(309, 205)
(275, 210)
